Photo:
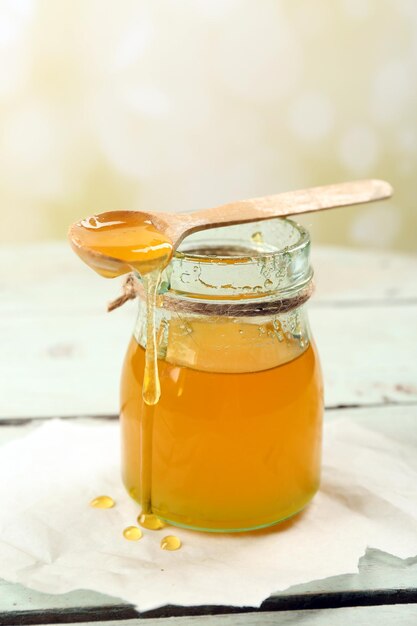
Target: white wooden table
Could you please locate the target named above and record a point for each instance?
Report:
(61, 355)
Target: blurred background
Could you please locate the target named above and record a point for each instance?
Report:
(178, 105)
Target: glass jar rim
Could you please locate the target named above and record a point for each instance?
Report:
(303, 241)
(260, 260)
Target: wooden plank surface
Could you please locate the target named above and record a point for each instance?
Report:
(43, 276)
(61, 355)
(72, 367)
(391, 615)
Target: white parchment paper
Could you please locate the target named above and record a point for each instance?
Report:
(51, 539)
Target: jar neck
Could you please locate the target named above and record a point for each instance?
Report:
(227, 343)
(247, 262)
(232, 299)
(245, 307)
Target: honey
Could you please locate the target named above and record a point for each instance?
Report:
(171, 542)
(150, 521)
(231, 450)
(221, 398)
(114, 243)
(102, 502)
(132, 533)
(128, 240)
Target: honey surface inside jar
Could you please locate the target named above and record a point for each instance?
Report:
(233, 449)
(113, 243)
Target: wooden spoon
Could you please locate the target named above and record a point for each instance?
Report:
(174, 227)
(177, 226)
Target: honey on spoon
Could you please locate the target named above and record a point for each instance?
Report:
(115, 242)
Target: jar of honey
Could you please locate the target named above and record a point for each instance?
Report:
(236, 434)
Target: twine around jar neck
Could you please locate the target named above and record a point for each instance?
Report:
(132, 289)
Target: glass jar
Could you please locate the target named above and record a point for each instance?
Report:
(237, 430)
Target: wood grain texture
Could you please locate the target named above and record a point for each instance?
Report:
(367, 354)
(396, 614)
(48, 280)
(404, 615)
(72, 363)
(62, 353)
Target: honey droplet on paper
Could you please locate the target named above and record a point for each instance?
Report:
(170, 542)
(132, 533)
(150, 521)
(102, 502)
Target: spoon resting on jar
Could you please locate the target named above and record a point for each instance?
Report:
(117, 242)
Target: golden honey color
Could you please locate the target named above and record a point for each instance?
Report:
(231, 451)
(102, 502)
(112, 244)
(171, 543)
(132, 533)
(126, 239)
(227, 437)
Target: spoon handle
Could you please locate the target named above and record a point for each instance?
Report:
(292, 203)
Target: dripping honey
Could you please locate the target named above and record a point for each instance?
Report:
(149, 521)
(113, 243)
